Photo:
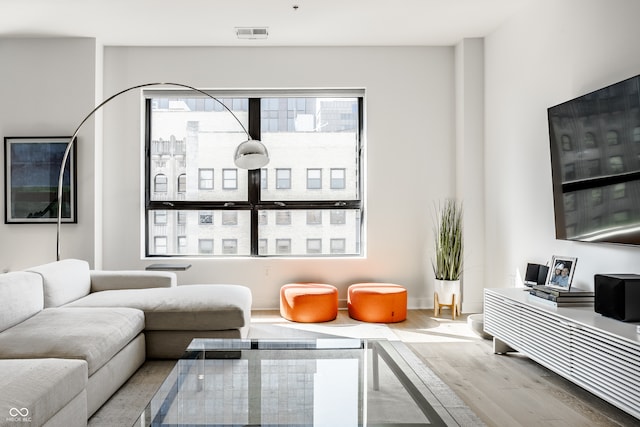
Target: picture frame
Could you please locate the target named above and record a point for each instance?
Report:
(561, 271)
(32, 168)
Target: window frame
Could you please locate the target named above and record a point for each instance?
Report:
(257, 181)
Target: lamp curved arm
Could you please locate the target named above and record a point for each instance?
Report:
(75, 134)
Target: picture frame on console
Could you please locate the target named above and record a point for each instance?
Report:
(561, 271)
(32, 168)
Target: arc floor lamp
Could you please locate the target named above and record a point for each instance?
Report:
(250, 154)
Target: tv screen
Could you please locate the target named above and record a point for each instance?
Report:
(595, 165)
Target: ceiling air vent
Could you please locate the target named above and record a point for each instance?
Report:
(252, 33)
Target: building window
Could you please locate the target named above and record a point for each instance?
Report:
(160, 244)
(314, 246)
(338, 180)
(160, 218)
(182, 218)
(229, 246)
(229, 218)
(230, 179)
(589, 140)
(182, 183)
(283, 246)
(182, 244)
(314, 217)
(314, 179)
(205, 218)
(262, 246)
(160, 183)
(283, 179)
(338, 246)
(338, 217)
(262, 218)
(283, 218)
(619, 191)
(205, 179)
(615, 164)
(265, 212)
(205, 246)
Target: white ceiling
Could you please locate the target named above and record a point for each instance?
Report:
(213, 22)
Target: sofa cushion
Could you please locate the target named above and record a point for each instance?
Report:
(39, 388)
(102, 280)
(64, 281)
(20, 297)
(91, 334)
(186, 307)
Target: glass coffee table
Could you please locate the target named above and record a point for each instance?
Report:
(302, 382)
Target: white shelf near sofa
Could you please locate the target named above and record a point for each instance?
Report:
(598, 353)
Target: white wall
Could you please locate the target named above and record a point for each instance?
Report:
(47, 86)
(551, 52)
(410, 155)
(469, 69)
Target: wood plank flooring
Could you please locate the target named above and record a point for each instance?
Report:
(503, 390)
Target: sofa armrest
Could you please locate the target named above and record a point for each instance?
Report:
(102, 280)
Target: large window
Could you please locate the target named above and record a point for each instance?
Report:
(199, 204)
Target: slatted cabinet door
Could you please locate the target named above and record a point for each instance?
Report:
(608, 366)
(600, 354)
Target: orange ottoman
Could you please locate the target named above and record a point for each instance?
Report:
(377, 302)
(309, 302)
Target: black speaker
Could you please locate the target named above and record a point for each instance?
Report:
(536, 274)
(618, 296)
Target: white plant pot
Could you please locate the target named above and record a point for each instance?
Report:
(447, 293)
(446, 289)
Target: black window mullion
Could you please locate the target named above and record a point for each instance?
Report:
(147, 178)
(253, 180)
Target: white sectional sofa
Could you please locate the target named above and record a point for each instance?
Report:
(64, 327)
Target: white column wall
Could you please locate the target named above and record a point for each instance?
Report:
(552, 51)
(47, 86)
(410, 155)
(470, 166)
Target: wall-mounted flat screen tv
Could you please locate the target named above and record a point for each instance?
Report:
(595, 164)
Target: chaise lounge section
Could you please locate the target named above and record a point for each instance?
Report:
(110, 322)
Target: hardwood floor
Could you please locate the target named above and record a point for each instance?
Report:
(508, 390)
(503, 390)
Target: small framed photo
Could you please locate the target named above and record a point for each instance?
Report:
(32, 168)
(561, 272)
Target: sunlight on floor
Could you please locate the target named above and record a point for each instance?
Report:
(418, 329)
(446, 331)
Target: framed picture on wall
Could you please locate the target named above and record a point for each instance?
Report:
(561, 272)
(32, 167)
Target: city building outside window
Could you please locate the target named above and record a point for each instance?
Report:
(205, 246)
(230, 179)
(160, 243)
(205, 179)
(160, 183)
(314, 246)
(182, 183)
(283, 179)
(338, 179)
(267, 212)
(314, 179)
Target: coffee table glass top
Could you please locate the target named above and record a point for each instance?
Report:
(294, 382)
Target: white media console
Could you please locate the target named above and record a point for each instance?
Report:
(598, 353)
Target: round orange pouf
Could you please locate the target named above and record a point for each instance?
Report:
(309, 302)
(377, 302)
